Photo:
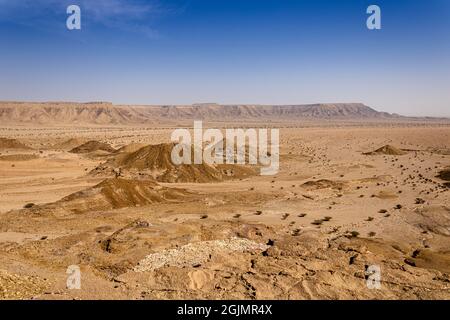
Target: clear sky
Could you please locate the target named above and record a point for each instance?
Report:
(229, 51)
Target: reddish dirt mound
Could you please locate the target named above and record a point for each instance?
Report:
(387, 150)
(120, 193)
(69, 144)
(323, 184)
(6, 143)
(129, 148)
(91, 146)
(153, 157)
(155, 161)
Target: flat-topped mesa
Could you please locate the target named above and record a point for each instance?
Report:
(282, 112)
(105, 113)
(58, 113)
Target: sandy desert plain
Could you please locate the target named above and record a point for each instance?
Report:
(353, 190)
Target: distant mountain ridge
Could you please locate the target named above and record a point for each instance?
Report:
(104, 113)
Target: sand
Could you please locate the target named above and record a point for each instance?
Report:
(308, 232)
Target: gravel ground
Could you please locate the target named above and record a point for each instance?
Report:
(195, 253)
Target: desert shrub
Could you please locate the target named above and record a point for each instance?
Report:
(285, 216)
(354, 234)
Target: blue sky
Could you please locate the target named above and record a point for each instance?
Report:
(229, 51)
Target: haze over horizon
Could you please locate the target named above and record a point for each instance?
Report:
(229, 52)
